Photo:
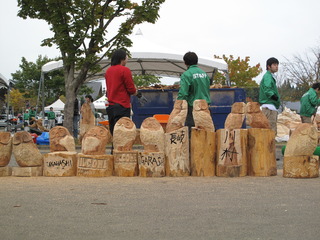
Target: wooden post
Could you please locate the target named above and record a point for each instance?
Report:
(232, 152)
(262, 152)
(125, 163)
(203, 150)
(151, 164)
(301, 166)
(60, 164)
(177, 153)
(94, 165)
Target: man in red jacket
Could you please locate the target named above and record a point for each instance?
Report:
(120, 86)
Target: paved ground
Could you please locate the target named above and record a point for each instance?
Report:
(160, 208)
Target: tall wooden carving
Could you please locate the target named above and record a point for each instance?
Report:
(5, 153)
(203, 142)
(87, 120)
(151, 160)
(125, 159)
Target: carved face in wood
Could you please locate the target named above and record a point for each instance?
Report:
(56, 134)
(200, 105)
(21, 137)
(151, 124)
(253, 107)
(180, 104)
(125, 122)
(95, 141)
(238, 107)
(5, 138)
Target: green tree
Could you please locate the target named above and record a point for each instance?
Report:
(83, 29)
(145, 80)
(241, 74)
(27, 79)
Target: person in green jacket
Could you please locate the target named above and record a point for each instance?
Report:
(51, 118)
(269, 97)
(26, 118)
(32, 114)
(309, 102)
(194, 84)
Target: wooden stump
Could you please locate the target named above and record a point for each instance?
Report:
(94, 165)
(262, 152)
(27, 171)
(301, 166)
(203, 150)
(177, 153)
(232, 155)
(60, 164)
(126, 163)
(151, 164)
(5, 171)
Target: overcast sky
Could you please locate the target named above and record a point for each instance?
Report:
(256, 28)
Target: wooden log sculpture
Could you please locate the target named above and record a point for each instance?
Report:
(38, 123)
(151, 160)
(255, 117)
(95, 141)
(152, 135)
(124, 134)
(178, 116)
(87, 120)
(203, 150)
(5, 148)
(61, 140)
(261, 152)
(299, 161)
(177, 153)
(236, 117)
(232, 152)
(201, 115)
(125, 159)
(25, 151)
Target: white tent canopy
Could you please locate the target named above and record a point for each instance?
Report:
(3, 81)
(57, 106)
(149, 58)
(100, 103)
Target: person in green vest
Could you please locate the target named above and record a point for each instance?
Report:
(32, 114)
(194, 84)
(26, 118)
(309, 102)
(51, 118)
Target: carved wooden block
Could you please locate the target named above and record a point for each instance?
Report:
(178, 116)
(124, 134)
(152, 135)
(201, 115)
(151, 164)
(261, 152)
(203, 151)
(95, 141)
(5, 171)
(87, 120)
(60, 164)
(236, 117)
(177, 153)
(27, 171)
(125, 163)
(303, 141)
(232, 155)
(301, 166)
(25, 151)
(61, 140)
(255, 117)
(5, 148)
(94, 165)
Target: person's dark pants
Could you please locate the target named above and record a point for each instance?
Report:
(115, 112)
(76, 119)
(189, 120)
